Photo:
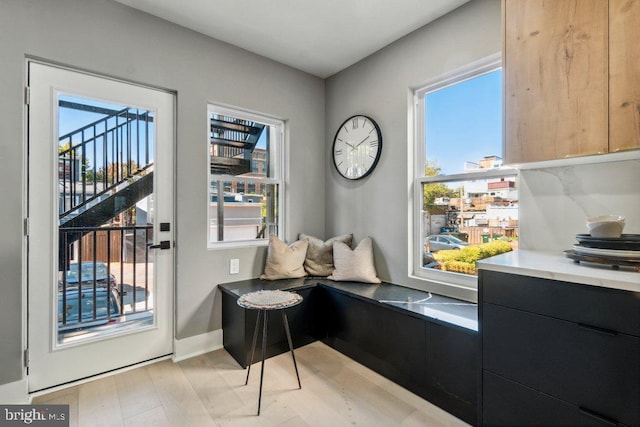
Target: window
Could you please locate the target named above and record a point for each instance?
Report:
(246, 177)
(465, 201)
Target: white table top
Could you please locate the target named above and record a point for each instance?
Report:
(269, 300)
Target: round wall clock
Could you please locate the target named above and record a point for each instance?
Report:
(357, 147)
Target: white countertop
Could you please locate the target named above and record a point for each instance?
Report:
(555, 266)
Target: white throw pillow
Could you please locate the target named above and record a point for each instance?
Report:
(354, 265)
(285, 261)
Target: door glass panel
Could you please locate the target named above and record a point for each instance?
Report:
(105, 219)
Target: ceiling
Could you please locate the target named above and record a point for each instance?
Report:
(320, 37)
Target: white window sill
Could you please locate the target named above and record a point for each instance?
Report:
(238, 244)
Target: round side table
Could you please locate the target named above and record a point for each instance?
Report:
(264, 302)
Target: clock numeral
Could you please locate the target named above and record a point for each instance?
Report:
(373, 143)
(354, 123)
(339, 164)
(372, 129)
(338, 152)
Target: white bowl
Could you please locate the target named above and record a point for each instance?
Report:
(607, 226)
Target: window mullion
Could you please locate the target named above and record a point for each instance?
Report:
(220, 211)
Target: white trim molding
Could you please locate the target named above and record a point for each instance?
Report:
(197, 345)
(458, 283)
(619, 156)
(15, 393)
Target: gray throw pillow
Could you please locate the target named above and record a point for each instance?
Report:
(319, 259)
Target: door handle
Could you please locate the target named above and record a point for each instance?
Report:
(165, 244)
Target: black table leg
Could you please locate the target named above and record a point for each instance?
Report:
(286, 329)
(264, 346)
(253, 347)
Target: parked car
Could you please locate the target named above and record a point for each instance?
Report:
(438, 242)
(428, 260)
(85, 273)
(106, 308)
(462, 236)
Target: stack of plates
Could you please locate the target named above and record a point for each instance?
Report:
(623, 250)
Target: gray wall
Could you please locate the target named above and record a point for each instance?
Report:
(378, 86)
(109, 38)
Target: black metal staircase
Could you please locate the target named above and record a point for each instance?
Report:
(232, 144)
(120, 146)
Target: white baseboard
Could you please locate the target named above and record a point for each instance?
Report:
(15, 393)
(197, 345)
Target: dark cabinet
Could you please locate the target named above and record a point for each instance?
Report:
(576, 363)
(391, 343)
(452, 369)
(590, 305)
(560, 350)
(508, 403)
(238, 325)
(439, 362)
(435, 360)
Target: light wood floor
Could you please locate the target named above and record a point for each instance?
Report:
(209, 390)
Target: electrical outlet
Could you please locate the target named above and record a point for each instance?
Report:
(234, 266)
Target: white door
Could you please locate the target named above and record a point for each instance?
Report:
(100, 193)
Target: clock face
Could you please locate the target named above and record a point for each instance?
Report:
(357, 147)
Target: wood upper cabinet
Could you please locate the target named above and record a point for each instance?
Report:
(555, 71)
(572, 78)
(624, 74)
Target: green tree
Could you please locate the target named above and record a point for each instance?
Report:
(86, 165)
(432, 191)
(63, 147)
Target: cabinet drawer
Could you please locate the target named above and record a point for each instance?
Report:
(579, 364)
(506, 403)
(602, 307)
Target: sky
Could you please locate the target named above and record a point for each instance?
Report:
(70, 119)
(464, 122)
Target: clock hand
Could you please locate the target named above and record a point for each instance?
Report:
(352, 147)
(365, 138)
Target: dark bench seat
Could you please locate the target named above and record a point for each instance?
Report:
(424, 342)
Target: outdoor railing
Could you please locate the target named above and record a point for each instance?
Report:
(119, 145)
(104, 268)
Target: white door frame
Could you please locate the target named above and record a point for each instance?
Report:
(168, 203)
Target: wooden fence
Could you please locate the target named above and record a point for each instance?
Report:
(100, 237)
(475, 233)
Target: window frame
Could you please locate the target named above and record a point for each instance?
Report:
(417, 179)
(278, 158)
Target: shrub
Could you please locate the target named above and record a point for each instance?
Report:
(464, 260)
(493, 248)
(459, 267)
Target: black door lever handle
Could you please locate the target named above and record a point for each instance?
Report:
(165, 244)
